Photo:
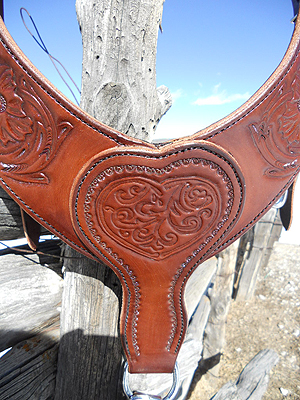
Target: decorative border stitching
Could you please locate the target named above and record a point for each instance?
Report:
(116, 140)
(45, 222)
(232, 240)
(155, 157)
(189, 259)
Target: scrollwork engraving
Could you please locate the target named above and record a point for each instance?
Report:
(29, 135)
(156, 218)
(277, 134)
(153, 217)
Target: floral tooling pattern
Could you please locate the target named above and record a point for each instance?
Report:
(159, 214)
(277, 134)
(29, 135)
(155, 218)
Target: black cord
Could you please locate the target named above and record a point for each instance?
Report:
(22, 252)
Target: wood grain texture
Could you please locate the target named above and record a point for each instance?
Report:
(11, 227)
(119, 64)
(10, 218)
(253, 381)
(28, 370)
(198, 284)
(220, 296)
(30, 298)
(90, 354)
(254, 253)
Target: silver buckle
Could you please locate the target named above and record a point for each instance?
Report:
(143, 396)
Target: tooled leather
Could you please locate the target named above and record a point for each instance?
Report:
(151, 218)
(151, 213)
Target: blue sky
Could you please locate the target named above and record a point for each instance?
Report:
(212, 54)
(57, 23)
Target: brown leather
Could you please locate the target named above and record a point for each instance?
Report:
(152, 213)
(32, 230)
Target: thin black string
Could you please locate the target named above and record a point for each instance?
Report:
(39, 253)
(54, 60)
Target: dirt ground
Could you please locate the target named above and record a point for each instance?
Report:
(270, 320)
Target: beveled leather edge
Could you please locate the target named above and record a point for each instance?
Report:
(255, 219)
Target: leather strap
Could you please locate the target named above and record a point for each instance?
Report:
(32, 230)
(152, 213)
(286, 211)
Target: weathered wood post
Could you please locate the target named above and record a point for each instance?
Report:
(118, 88)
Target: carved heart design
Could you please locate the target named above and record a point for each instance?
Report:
(153, 215)
(155, 206)
(156, 219)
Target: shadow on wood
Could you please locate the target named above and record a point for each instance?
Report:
(28, 370)
(94, 376)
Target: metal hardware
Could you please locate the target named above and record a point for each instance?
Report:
(142, 396)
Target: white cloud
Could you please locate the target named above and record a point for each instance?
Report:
(221, 98)
(216, 88)
(177, 95)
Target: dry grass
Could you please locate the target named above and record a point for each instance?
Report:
(270, 320)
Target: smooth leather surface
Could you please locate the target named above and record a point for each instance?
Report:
(152, 213)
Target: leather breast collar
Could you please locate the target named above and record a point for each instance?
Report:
(152, 213)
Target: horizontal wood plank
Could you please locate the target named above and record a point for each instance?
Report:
(28, 370)
(30, 298)
(198, 284)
